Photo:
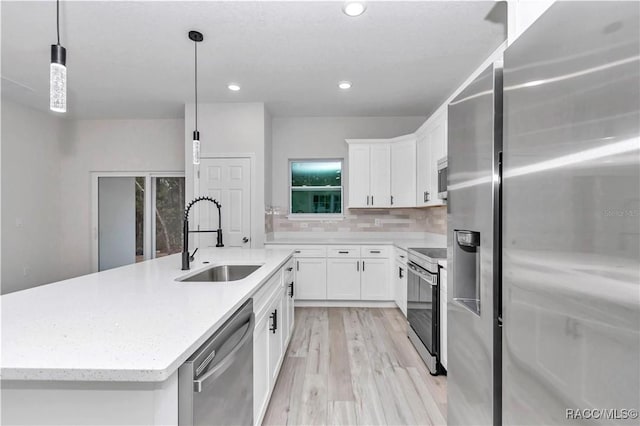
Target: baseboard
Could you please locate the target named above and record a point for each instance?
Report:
(345, 303)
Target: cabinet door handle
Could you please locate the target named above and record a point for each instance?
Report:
(372, 200)
(367, 200)
(392, 200)
(400, 273)
(363, 266)
(274, 322)
(297, 265)
(291, 291)
(358, 266)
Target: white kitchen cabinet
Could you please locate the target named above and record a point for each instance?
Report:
(400, 286)
(437, 147)
(369, 174)
(261, 380)
(443, 317)
(275, 337)
(375, 283)
(341, 272)
(423, 172)
(403, 172)
(273, 309)
(288, 311)
(343, 279)
(431, 146)
(380, 172)
(380, 169)
(311, 278)
(359, 175)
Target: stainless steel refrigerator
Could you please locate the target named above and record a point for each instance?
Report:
(544, 309)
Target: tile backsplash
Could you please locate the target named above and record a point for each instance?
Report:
(432, 220)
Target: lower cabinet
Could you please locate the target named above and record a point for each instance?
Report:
(311, 278)
(275, 333)
(343, 279)
(375, 283)
(273, 305)
(342, 272)
(260, 367)
(400, 287)
(288, 310)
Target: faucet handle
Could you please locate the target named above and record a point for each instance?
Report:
(191, 256)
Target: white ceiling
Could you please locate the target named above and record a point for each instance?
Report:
(132, 59)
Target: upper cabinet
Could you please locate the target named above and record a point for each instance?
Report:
(403, 172)
(369, 174)
(382, 172)
(431, 146)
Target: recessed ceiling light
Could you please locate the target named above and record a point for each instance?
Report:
(354, 8)
(234, 87)
(344, 85)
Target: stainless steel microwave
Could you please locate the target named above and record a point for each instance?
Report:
(442, 178)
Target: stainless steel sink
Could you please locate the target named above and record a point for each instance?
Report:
(222, 273)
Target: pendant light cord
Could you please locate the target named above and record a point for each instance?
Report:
(58, 20)
(196, 81)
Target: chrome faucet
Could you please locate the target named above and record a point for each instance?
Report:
(186, 257)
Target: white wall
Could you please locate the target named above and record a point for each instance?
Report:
(323, 137)
(107, 145)
(231, 129)
(31, 235)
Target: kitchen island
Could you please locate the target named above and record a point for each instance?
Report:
(105, 348)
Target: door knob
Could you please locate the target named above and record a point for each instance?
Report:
(245, 240)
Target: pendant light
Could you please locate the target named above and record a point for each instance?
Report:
(58, 72)
(196, 37)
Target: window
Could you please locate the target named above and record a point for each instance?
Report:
(315, 187)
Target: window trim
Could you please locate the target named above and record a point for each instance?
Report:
(316, 216)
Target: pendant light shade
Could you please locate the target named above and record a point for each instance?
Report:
(58, 72)
(196, 147)
(196, 37)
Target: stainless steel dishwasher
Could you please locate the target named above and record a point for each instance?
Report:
(215, 385)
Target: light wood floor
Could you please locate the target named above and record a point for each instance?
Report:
(354, 366)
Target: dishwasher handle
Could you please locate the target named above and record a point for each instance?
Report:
(216, 371)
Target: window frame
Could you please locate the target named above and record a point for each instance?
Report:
(316, 216)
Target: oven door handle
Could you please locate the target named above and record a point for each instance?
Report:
(198, 384)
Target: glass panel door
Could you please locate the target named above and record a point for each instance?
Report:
(168, 202)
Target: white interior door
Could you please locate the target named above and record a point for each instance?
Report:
(227, 180)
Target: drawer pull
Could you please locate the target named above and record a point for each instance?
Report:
(343, 252)
(374, 251)
(297, 251)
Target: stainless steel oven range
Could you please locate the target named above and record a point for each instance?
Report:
(423, 301)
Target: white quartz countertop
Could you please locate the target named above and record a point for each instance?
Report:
(134, 324)
(403, 243)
